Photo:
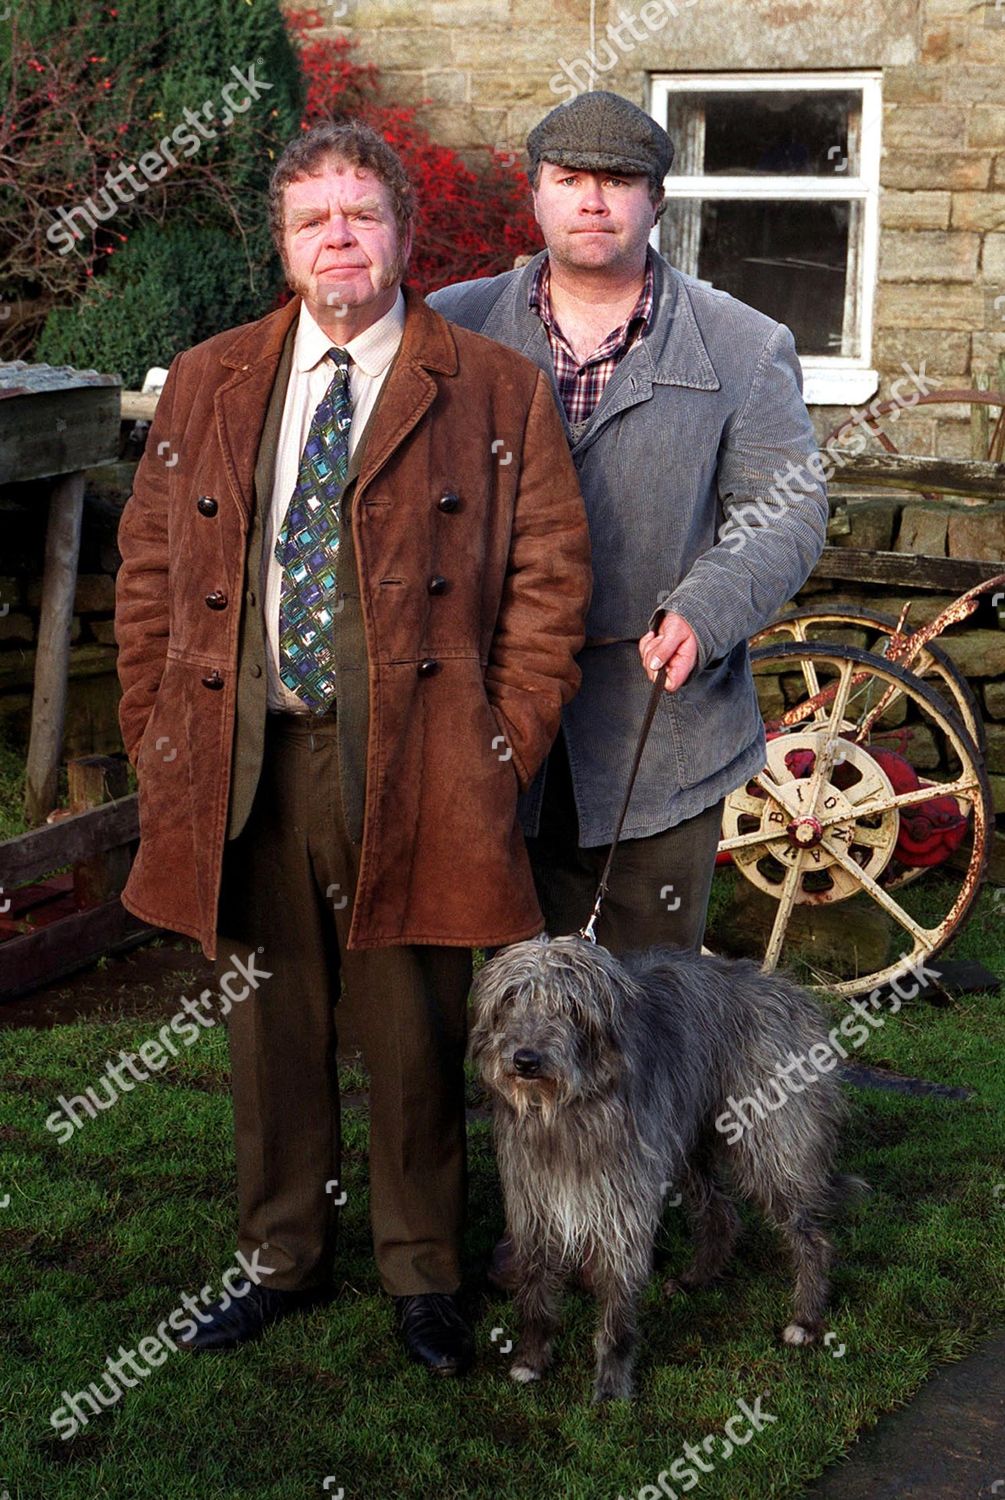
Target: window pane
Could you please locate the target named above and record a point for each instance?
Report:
(803, 132)
(789, 260)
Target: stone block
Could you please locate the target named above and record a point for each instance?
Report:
(953, 439)
(995, 754)
(915, 84)
(15, 626)
(103, 631)
(447, 85)
(872, 524)
(980, 84)
(997, 784)
(978, 534)
(928, 255)
(993, 259)
(977, 653)
(405, 48)
(996, 864)
(922, 531)
(94, 594)
(947, 353)
(977, 211)
(994, 699)
(929, 305)
(986, 124)
(10, 592)
(769, 696)
(924, 607)
(914, 126)
(962, 171)
(924, 210)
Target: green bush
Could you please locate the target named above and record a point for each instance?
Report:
(191, 253)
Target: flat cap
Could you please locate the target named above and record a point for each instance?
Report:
(602, 132)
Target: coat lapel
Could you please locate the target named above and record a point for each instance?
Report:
(242, 403)
(427, 345)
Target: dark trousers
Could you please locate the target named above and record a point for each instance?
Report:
(288, 885)
(659, 886)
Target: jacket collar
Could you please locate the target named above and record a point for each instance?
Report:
(672, 350)
(254, 354)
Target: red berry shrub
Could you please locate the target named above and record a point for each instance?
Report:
(470, 222)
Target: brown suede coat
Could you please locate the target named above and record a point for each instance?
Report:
(466, 680)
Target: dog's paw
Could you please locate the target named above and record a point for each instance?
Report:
(675, 1286)
(523, 1374)
(621, 1391)
(798, 1333)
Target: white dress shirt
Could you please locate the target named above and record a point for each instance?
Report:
(371, 353)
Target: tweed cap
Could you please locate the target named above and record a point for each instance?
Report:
(599, 132)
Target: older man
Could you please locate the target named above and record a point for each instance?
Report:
(355, 573)
(683, 411)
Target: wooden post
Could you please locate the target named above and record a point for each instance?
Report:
(48, 707)
(979, 428)
(93, 781)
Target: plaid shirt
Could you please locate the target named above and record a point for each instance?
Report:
(582, 385)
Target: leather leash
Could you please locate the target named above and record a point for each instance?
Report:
(588, 931)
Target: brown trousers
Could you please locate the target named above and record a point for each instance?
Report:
(659, 886)
(289, 881)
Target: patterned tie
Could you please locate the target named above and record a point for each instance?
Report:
(307, 544)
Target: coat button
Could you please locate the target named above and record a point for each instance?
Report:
(437, 584)
(449, 501)
(206, 505)
(216, 600)
(255, 670)
(429, 667)
(214, 680)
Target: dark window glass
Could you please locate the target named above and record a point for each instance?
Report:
(788, 259)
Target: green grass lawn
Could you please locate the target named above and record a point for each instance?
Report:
(102, 1235)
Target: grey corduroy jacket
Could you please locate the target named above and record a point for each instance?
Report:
(701, 421)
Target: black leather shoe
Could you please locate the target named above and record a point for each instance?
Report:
(239, 1320)
(434, 1333)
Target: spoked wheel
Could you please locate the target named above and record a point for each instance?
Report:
(840, 813)
(932, 662)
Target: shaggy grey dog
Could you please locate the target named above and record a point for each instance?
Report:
(608, 1076)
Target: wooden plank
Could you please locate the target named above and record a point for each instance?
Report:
(38, 958)
(138, 406)
(48, 704)
(902, 471)
(57, 432)
(68, 841)
(90, 660)
(953, 575)
(94, 781)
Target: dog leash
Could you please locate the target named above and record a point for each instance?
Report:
(589, 931)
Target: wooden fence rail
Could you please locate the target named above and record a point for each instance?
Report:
(37, 958)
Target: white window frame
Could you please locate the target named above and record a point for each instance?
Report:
(829, 380)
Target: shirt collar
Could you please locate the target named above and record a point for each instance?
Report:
(371, 351)
(539, 300)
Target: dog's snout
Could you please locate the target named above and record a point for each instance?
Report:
(527, 1062)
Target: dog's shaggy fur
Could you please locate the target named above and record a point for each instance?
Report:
(607, 1078)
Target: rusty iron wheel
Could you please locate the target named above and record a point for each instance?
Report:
(835, 817)
(933, 663)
